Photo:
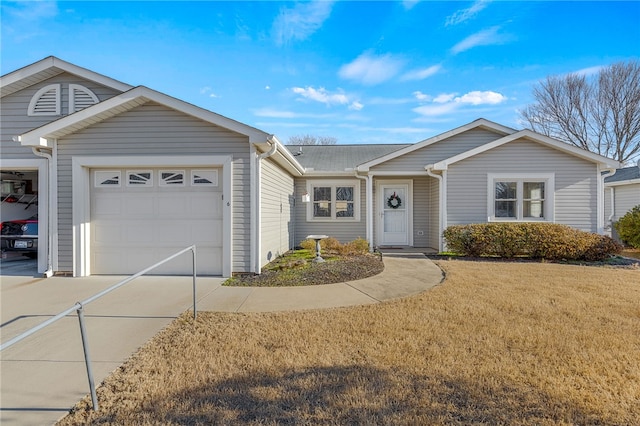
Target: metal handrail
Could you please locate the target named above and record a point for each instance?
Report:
(79, 308)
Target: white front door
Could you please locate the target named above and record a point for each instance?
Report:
(394, 207)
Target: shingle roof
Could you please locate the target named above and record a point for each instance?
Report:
(339, 157)
(626, 173)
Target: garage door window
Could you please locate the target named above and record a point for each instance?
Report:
(107, 178)
(172, 177)
(204, 178)
(139, 178)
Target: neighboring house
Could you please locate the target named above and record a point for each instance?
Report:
(126, 176)
(622, 193)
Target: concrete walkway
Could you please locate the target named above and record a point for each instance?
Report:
(43, 376)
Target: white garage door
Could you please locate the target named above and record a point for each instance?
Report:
(142, 216)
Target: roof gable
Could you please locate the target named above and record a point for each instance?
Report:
(535, 137)
(479, 123)
(127, 101)
(50, 67)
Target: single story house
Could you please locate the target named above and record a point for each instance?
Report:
(622, 193)
(125, 176)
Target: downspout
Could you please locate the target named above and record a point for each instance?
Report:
(613, 204)
(255, 261)
(49, 157)
(369, 213)
(600, 198)
(441, 204)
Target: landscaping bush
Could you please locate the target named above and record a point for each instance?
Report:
(535, 240)
(628, 227)
(333, 246)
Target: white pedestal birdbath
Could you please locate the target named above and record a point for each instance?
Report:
(317, 238)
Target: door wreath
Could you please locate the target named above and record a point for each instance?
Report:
(394, 201)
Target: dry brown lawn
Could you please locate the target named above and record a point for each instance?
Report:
(496, 343)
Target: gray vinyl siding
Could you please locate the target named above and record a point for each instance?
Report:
(421, 211)
(152, 129)
(433, 219)
(277, 203)
(575, 183)
(626, 197)
(416, 160)
(343, 231)
(14, 118)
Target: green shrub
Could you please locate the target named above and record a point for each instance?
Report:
(628, 227)
(536, 240)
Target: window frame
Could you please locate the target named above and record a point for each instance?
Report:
(333, 184)
(520, 178)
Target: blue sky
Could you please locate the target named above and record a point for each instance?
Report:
(362, 72)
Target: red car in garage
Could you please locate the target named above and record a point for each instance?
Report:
(20, 236)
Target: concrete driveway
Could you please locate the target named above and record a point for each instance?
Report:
(45, 375)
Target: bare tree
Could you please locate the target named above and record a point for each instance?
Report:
(312, 140)
(601, 114)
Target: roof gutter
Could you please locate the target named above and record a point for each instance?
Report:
(602, 175)
(442, 202)
(256, 216)
(369, 210)
(48, 273)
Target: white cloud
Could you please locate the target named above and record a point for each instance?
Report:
(464, 15)
(206, 90)
(422, 96)
(421, 74)
(321, 95)
(274, 113)
(371, 69)
(486, 37)
(267, 87)
(408, 4)
(301, 21)
(356, 106)
(444, 98)
(588, 72)
(446, 103)
(481, 98)
(31, 10)
(431, 110)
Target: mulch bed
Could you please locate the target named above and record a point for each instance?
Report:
(348, 268)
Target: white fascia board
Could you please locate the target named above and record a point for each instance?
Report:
(310, 173)
(622, 182)
(284, 153)
(53, 62)
(135, 97)
(481, 122)
(535, 137)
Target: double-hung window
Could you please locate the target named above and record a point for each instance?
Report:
(333, 200)
(520, 197)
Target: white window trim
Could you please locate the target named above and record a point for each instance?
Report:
(334, 183)
(34, 101)
(549, 189)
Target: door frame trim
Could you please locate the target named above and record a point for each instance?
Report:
(380, 208)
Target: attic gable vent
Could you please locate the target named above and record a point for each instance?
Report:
(80, 97)
(46, 101)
